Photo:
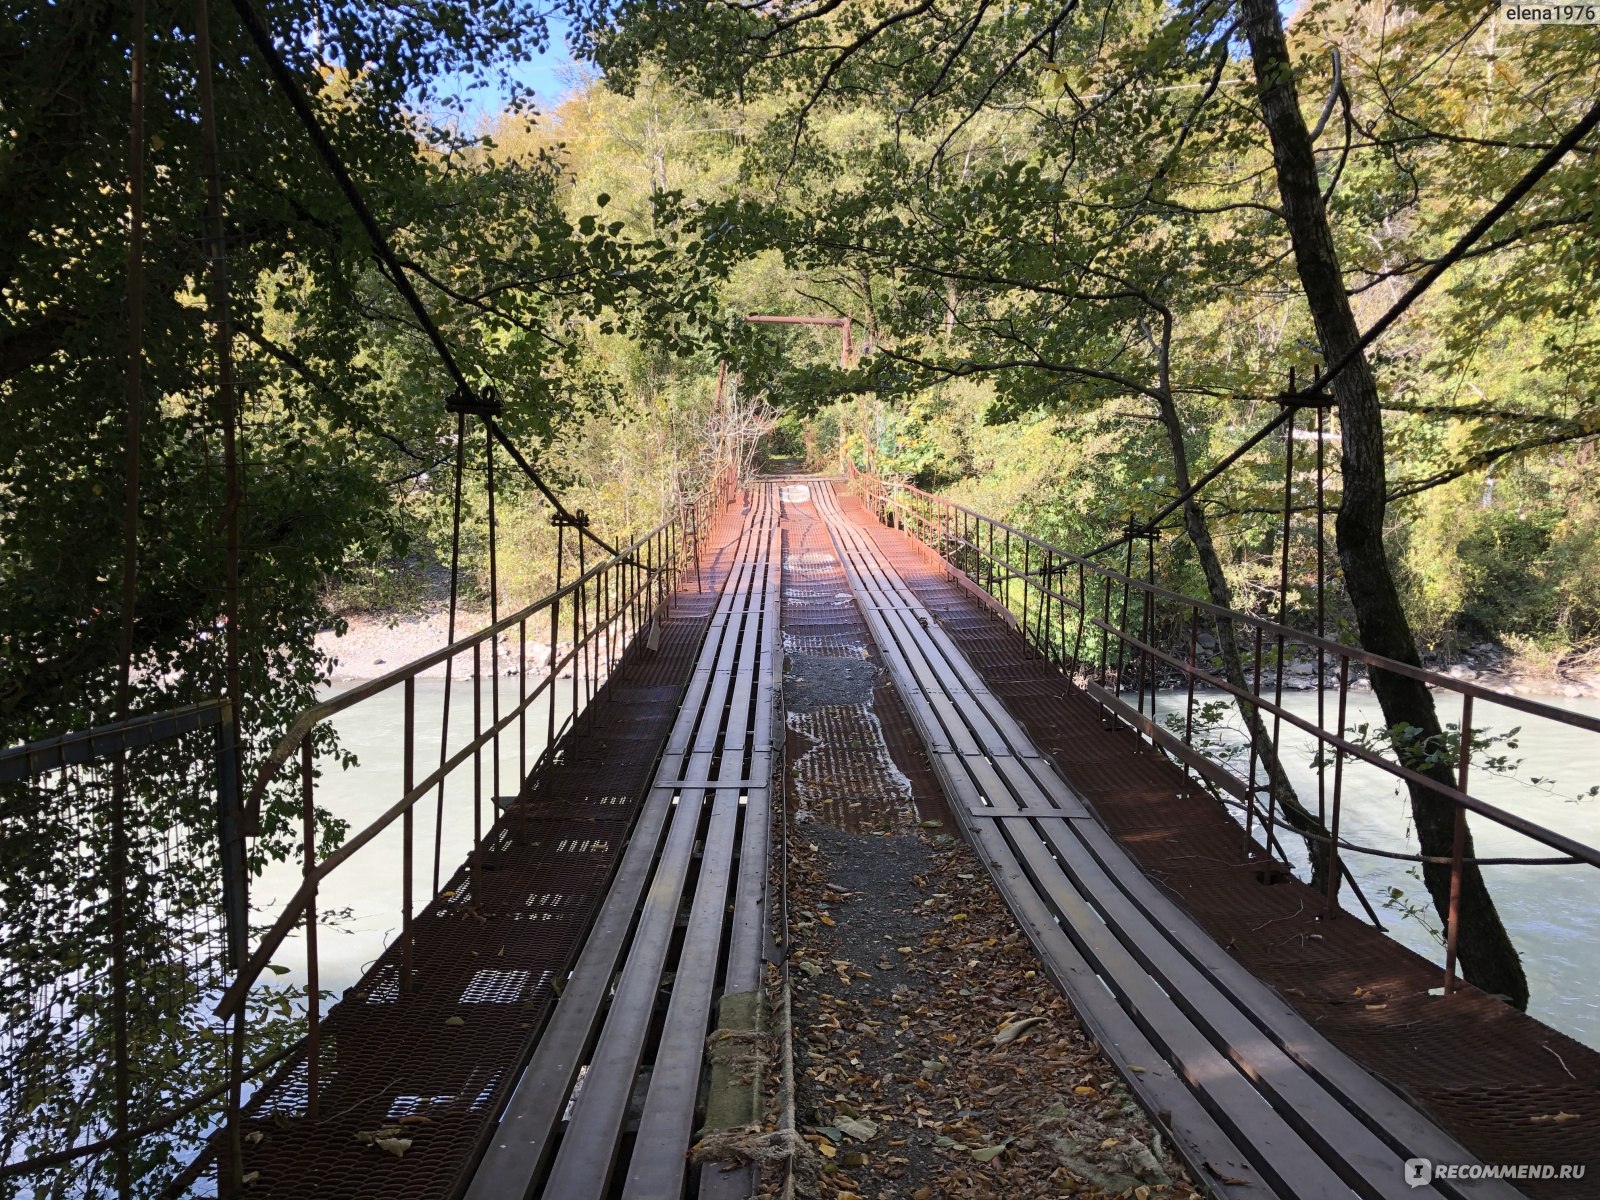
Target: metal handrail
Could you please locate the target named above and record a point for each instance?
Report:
(1265, 624)
(942, 526)
(674, 554)
(317, 713)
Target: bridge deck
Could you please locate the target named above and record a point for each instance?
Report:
(1491, 1076)
(1254, 1094)
(703, 829)
(658, 942)
(493, 960)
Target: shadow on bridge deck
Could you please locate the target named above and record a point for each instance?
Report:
(1260, 1104)
(442, 1061)
(1507, 1087)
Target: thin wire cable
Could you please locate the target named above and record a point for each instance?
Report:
(1464, 243)
(290, 86)
(1311, 396)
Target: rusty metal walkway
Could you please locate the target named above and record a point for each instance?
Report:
(1257, 1101)
(614, 938)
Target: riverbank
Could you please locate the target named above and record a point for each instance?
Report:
(374, 644)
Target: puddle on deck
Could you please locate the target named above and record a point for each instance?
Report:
(845, 768)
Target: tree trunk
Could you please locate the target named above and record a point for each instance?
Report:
(1199, 531)
(1488, 958)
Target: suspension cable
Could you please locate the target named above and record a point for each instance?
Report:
(1314, 396)
(1464, 243)
(466, 397)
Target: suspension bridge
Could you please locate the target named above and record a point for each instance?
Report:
(598, 986)
(593, 1001)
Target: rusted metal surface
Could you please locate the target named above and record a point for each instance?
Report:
(1240, 1080)
(486, 954)
(1494, 1078)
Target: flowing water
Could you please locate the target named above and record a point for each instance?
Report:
(1551, 912)
(359, 903)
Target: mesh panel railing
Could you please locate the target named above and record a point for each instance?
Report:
(120, 914)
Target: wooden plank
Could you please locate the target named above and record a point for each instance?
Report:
(749, 906)
(1261, 1134)
(526, 1135)
(1408, 1132)
(587, 1153)
(657, 1165)
(1210, 1153)
(1310, 1119)
(1140, 948)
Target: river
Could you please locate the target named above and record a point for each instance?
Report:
(1552, 912)
(359, 903)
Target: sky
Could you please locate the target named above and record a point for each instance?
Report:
(551, 76)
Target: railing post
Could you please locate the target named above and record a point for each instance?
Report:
(1255, 723)
(407, 833)
(1194, 665)
(1334, 866)
(1083, 619)
(1027, 556)
(477, 768)
(1458, 847)
(118, 901)
(555, 637)
(522, 703)
(581, 664)
(1122, 622)
(308, 819)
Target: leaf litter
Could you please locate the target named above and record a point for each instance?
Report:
(934, 1059)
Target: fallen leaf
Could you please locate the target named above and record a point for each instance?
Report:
(988, 1153)
(1010, 1033)
(394, 1146)
(1556, 1116)
(454, 1021)
(859, 1128)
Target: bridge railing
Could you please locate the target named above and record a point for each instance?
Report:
(590, 624)
(121, 915)
(1125, 640)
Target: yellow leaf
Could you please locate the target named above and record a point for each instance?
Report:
(1052, 81)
